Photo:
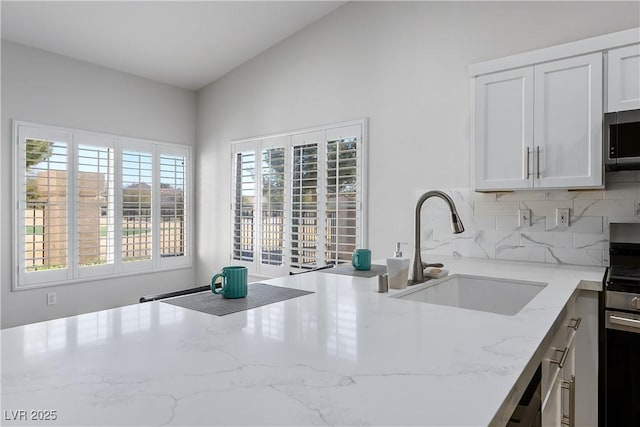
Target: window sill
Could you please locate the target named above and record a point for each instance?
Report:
(18, 288)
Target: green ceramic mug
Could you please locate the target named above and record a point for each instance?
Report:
(361, 259)
(234, 282)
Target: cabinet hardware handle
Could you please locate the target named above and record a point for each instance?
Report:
(528, 171)
(565, 351)
(632, 323)
(570, 420)
(538, 161)
(563, 358)
(576, 325)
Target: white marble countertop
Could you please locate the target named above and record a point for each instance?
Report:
(344, 355)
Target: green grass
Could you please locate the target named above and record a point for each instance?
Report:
(34, 229)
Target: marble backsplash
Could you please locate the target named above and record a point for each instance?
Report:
(492, 230)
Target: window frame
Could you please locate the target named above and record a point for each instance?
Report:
(73, 273)
(288, 140)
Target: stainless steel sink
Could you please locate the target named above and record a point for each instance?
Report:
(480, 293)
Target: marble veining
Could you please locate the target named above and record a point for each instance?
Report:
(344, 355)
(493, 231)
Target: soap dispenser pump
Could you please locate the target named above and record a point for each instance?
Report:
(398, 251)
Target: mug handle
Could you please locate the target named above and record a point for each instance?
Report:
(355, 260)
(213, 283)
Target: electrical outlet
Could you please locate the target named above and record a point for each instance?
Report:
(52, 298)
(524, 217)
(562, 217)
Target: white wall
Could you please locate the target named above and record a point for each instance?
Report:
(46, 88)
(403, 65)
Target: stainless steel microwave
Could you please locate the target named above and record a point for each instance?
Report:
(622, 140)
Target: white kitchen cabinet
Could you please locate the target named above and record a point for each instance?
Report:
(568, 123)
(539, 126)
(586, 360)
(623, 78)
(504, 129)
(558, 382)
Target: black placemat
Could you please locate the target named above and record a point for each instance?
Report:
(258, 294)
(348, 270)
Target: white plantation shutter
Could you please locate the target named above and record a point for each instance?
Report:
(136, 198)
(343, 195)
(309, 203)
(43, 225)
(95, 193)
(271, 231)
(97, 205)
(305, 218)
(244, 180)
(173, 195)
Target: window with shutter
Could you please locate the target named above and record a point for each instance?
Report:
(97, 205)
(311, 205)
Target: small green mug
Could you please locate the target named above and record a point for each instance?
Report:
(361, 259)
(234, 282)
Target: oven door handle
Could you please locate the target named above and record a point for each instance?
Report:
(624, 321)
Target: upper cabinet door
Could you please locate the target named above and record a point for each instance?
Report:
(623, 80)
(503, 130)
(568, 123)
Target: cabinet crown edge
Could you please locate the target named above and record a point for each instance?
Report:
(580, 47)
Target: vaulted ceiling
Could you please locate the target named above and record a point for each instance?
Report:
(181, 43)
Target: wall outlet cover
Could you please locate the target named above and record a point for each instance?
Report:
(562, 217)
(524, 217)
(52, 298)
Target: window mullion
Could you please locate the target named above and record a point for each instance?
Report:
(155, 207)
(257, 211)
(322, 202)
(288, 201)
(117, 206)
(72, 209)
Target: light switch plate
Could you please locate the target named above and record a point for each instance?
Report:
(562, 217)
(524, 217)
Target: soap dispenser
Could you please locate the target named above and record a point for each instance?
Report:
(398, 268)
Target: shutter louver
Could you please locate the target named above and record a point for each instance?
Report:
(341, 197)
(304, 207)
(94, 199)
(243, 220)
(273, 190)
(172, 206)
(46, 217)
(136, 206)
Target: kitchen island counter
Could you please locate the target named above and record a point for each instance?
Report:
(344, 355)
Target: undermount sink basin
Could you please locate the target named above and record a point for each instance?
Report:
(501, 296)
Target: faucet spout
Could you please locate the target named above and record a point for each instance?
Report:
(417, 274)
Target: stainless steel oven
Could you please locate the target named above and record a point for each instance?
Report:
(620, 351)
